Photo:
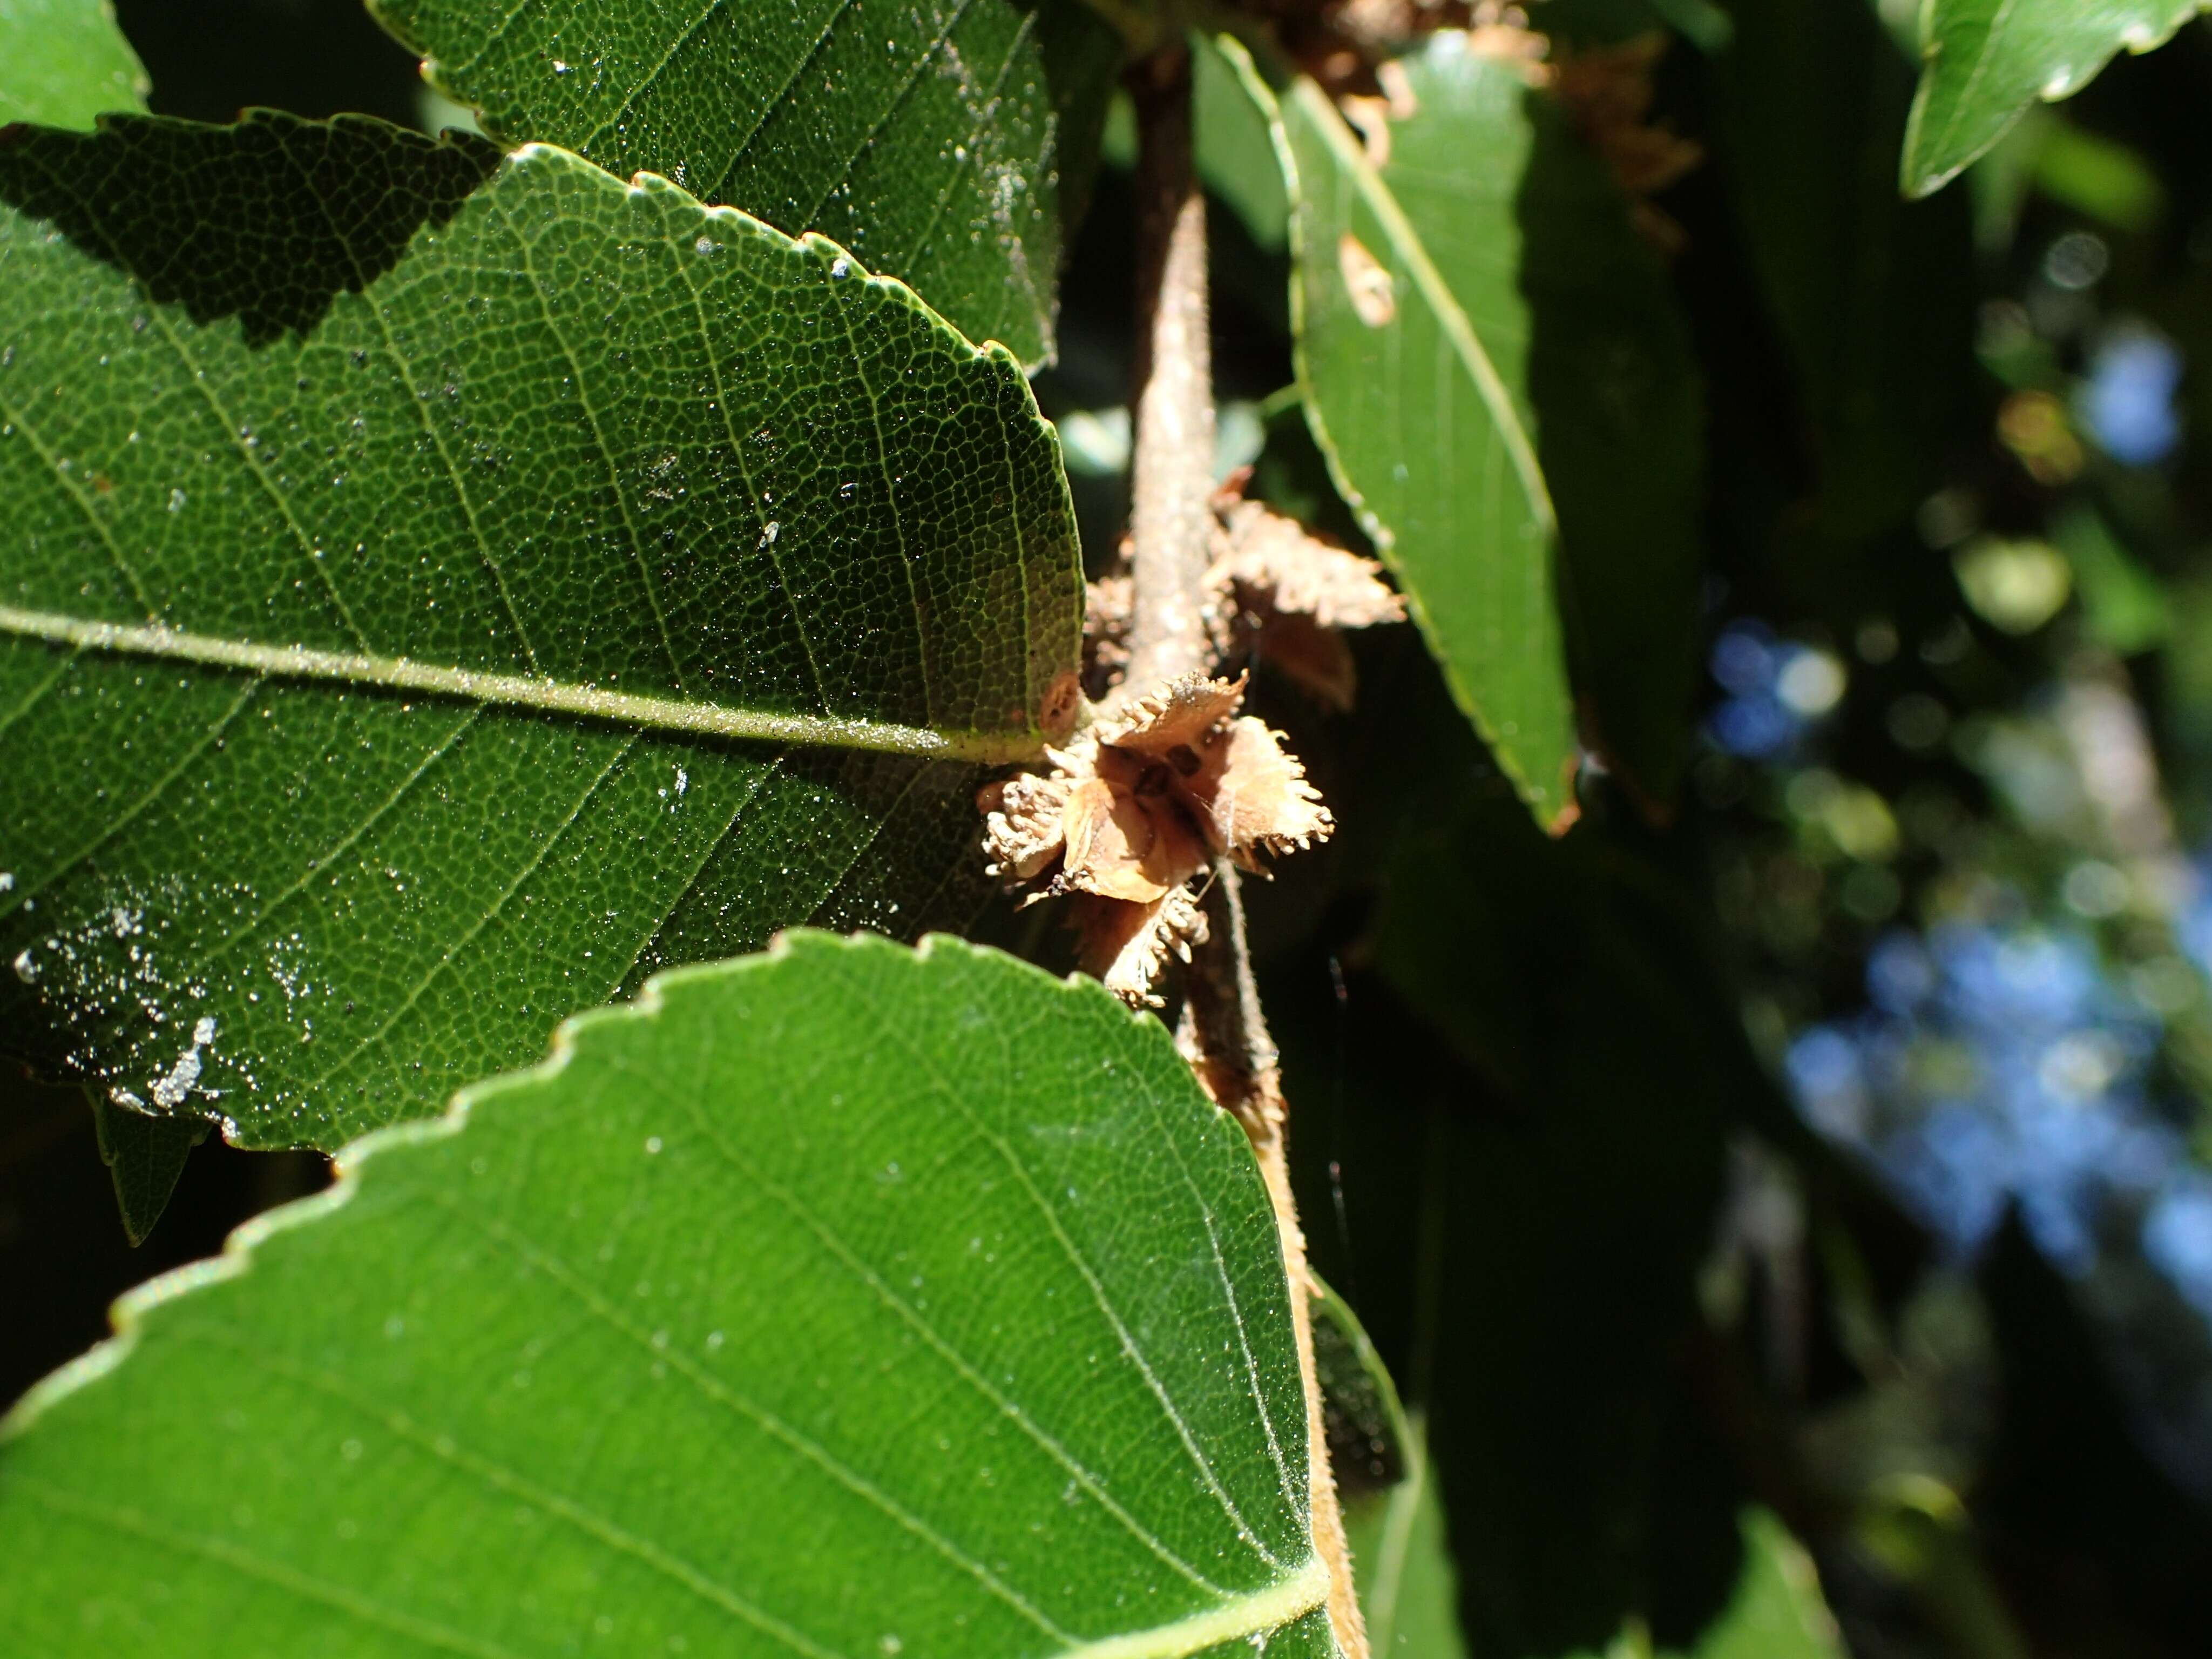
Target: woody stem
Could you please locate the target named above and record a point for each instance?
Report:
(1224, 1030)
(1171, 472)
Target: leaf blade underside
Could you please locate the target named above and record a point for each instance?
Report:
(642, 1343)
(932, 140)
(1578, 312)
(605, 467)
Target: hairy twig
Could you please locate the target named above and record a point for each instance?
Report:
(1171, 475)
(1224, 1032)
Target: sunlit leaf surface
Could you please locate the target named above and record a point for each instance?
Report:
(63, 62)
(1987, 60)
(940, 142)
(1425, 440)
(843, 1302)
(386, 674)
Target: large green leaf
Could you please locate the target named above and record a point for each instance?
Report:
(1422, 430)
(844, 1301)
(1523, 1236)
(1987, 60)
(63, 62)
(1776, 1610)
(1407, 1591)
(383, 675)
(935, 141)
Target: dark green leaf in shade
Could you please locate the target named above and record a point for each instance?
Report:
(1360, 1412)
(942, 144)
(251, 234)
(1986, 61)
(63, 62)
(1578, 311)
(1776, 1610)
(1523, 1166)
(2085, 1523)
(145, 1154)
(1403, 1562)
(1408, 1588)
(1423, 435)
(1872, 297)
(606, 584)
(2126, 608)
(847, 1300)
(1233, 146)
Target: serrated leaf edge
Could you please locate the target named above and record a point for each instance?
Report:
(1253, 1613)
(432, 73)
(664, 713)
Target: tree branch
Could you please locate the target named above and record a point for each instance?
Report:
(1225, 1033)
(1172, 474)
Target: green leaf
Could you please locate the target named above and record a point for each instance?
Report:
(1566, 1210)
(844, 1301)
(1986, 60)
(1873, 297)
(935, 142)
(63, 62)
(1776, 1611)
(1360, 1413)
(606, 584)
(1233, 146)
(145, 1155)
(2128, 610)
(1403, 1564)
(1423, 434)
(1578, 313)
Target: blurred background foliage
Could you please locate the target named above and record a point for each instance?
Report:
(1785, 1210)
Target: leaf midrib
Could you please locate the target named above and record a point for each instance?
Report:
(634, 710)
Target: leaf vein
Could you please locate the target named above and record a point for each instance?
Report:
(446, 958)
(767, 1422)
(1125, 1338)
(962, 1366)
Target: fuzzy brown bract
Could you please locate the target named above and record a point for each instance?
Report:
(1134, 812)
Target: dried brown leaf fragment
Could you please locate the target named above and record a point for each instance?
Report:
(1023, 823)
(1269, 556)
(1286, 593)
(1256, 795)
(1127, 946)
(1108, 604)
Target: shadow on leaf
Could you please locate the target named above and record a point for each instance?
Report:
(268, 220)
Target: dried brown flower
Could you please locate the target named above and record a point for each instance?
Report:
(1136, 809)
(1286, 593)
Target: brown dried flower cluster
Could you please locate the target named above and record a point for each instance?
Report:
(1287, 595)
(1135, 811)
(1609, 92)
